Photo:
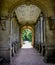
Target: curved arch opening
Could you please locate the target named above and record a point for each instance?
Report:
(27, 37)
(27, 15)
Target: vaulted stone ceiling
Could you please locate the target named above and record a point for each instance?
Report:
(27, 13)
(8, 5)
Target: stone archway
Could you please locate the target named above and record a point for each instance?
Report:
(30, 28)
(39, 4)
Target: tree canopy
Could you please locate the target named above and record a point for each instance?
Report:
(27, 35)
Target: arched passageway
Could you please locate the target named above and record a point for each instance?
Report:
(34, 15)
(38, 31)
(27, 36)
(31, 17)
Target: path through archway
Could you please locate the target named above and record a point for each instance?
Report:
(27, 37)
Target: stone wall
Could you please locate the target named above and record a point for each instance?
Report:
(5, 38)
(50, 41)
(39, 32)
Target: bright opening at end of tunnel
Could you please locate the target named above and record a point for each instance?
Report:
(27, 44)
(27, 38)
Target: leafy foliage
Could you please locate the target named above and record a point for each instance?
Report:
(27, 35)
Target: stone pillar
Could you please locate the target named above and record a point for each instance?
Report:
(42, 20)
